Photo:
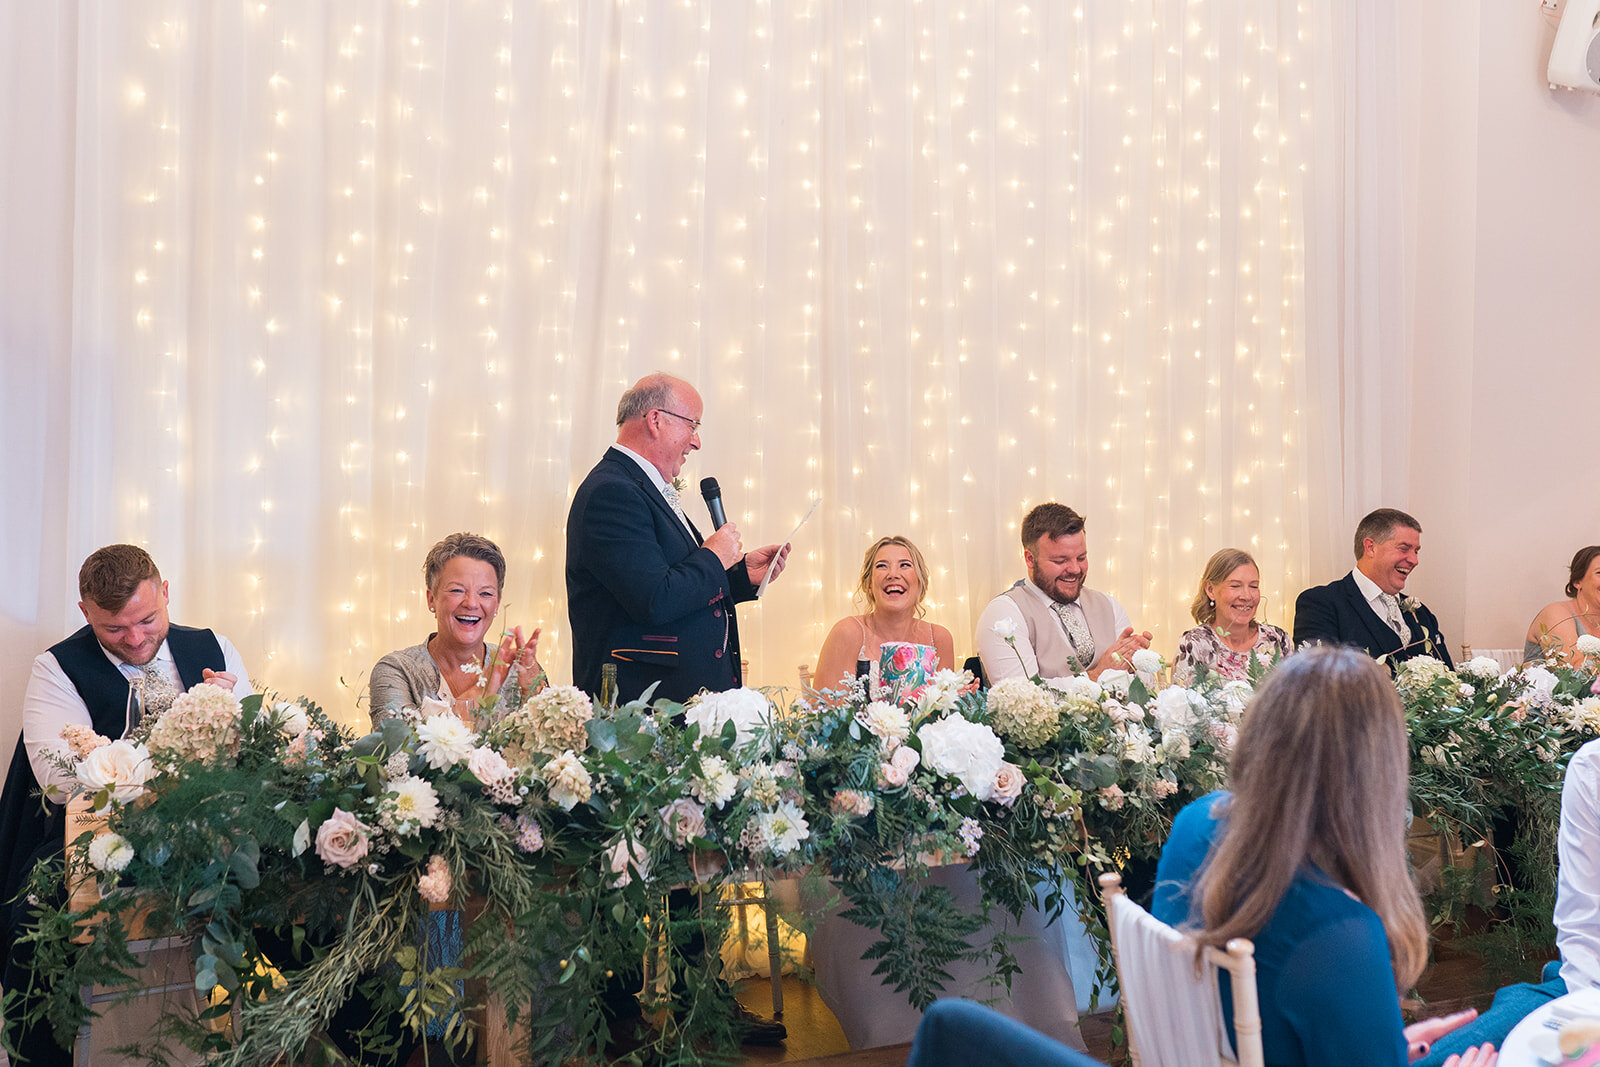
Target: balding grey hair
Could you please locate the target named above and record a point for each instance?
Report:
(648, 393)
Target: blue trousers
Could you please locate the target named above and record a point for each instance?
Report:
(1511, 1005)
(959, 1033)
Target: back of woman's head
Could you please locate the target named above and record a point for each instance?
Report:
(1319, 778)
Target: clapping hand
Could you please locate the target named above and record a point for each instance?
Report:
(221, 679)
(1120, 655)
(514, 649)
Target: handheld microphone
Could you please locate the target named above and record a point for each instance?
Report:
(713, 494)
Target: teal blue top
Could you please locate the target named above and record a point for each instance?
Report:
(1323, 974)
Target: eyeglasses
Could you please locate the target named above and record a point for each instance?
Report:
(694, 424)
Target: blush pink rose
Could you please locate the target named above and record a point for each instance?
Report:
(343, 839)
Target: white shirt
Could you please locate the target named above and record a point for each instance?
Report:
(655, 479)
(999, 659)
(1577, 915)
(1374, 595)
(51, 702)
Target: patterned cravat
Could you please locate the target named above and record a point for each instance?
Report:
(670, 491)
(1077, 632)
(156, 692)
(1396, 621)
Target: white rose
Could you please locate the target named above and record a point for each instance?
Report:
(1008, 783)
(965, 750)
(1079, 687)
(1005, 628)
(748, 710)
(122, 767)
(1115, 681)
(292, 718)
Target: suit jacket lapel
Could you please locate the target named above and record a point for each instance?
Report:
(1384, 639)
(631, 469)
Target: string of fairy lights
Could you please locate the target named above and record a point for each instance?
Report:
(373, 273)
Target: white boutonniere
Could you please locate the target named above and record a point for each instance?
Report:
(1410, 604)
(679, 484)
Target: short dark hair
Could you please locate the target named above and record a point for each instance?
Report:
(111, 575)
(1050, 520)
(471, 545)
(1380, 524)
(1580, 566)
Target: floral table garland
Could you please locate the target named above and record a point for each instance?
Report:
(262, 827)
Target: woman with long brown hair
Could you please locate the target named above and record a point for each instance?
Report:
(1306, 857)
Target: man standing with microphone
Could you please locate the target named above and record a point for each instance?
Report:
(644, 589)
(646, 592)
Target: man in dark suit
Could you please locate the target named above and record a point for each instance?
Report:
(647, 592)
(1367, 607)
(644, 589)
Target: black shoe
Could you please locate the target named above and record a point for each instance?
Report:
(754, 1030)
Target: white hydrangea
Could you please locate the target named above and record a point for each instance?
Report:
(1023, 712)
(444, 740)
(1419, 672)
(1174, 709)
(965, 750)
(748, 710)
(292, 718)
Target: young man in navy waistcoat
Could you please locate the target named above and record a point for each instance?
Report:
(85, 679)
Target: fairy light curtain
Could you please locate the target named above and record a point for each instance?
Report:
(321, 283)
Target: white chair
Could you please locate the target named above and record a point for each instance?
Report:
(1174, 1009)
(1508, 658)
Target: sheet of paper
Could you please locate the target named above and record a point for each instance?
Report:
(765, 578)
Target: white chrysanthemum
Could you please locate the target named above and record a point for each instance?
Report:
(1482, 667)
(110, 852)
(1147, 661)
(1023, 712)
(568, 780)
(782, 830)
(748, 710)
(1588, 644)
(716, 784)
(967, 751)
(444, 741)
(885, 721)
(292, 719)
(412, 804)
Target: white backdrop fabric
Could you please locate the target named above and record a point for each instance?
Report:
(288, 291)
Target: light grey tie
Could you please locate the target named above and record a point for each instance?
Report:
(1077, 632)
(1396, 621)
(156, 691)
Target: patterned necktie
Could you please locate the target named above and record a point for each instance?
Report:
(156, 692)
(1396, 621)
(1077, 632)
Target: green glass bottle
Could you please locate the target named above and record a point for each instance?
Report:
(608, 686)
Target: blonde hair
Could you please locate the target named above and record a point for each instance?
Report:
(1221, 564)
(865, 586)
(1338, 804)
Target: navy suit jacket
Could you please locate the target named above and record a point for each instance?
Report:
(1338, 614)
(644, 594)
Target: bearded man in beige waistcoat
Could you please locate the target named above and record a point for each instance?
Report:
(1055, 626)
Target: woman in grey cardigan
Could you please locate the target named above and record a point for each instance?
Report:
(464, 574)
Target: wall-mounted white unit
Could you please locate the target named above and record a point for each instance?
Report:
(1575, 56)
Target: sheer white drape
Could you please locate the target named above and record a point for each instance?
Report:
(292, 290)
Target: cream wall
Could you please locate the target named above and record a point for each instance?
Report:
(1505, 319)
